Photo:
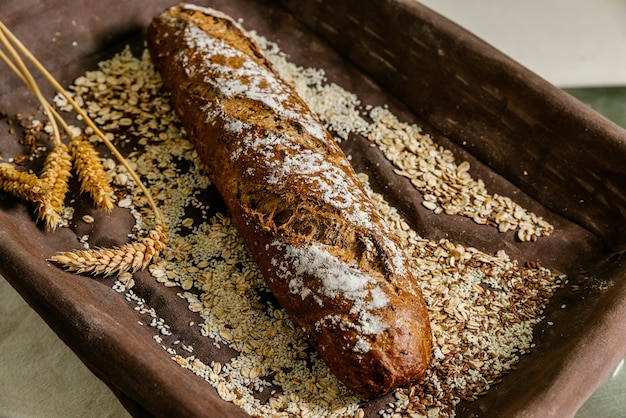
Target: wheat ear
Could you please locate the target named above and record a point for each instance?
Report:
(55, 174)
(108, 261)
(21, 184)
(133, 255)
(86, 119)
(90, 173)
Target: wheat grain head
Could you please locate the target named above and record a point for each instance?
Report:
(117, 260)
(55, 174)
(21, 184)
(88, 167)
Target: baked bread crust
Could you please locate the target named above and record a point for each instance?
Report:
(320, 244)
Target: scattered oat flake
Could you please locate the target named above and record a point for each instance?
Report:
(483, 307)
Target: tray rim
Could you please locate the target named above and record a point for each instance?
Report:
(31, 300)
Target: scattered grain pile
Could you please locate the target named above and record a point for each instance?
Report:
(482, 306)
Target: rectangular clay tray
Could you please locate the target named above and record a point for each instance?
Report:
(522, 136)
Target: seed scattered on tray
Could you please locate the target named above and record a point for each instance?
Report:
(482, 306)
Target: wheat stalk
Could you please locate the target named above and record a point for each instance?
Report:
(56, 173)
(90, 173)
(86, 119)
(19, 68)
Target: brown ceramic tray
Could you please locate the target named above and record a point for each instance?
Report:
(524, 137)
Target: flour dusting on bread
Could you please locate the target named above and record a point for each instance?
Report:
(321, 245)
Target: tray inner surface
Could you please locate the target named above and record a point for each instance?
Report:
(524, 138)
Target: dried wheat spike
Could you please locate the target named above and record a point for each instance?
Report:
(91, 173)
(108, 261)
(21, 184)
(55, 174)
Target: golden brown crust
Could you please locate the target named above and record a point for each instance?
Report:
(320, 244)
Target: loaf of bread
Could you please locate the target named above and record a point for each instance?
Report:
(318, 240)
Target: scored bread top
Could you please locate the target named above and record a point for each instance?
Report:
(323, 249)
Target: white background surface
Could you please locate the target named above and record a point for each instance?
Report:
(568, 42)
